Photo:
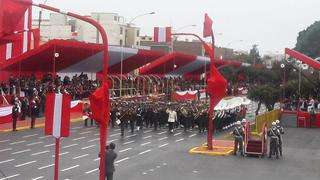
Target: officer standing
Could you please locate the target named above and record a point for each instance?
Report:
(33, 109)
(274, 134)
(15, 115)
(238, 133)
(281, 131)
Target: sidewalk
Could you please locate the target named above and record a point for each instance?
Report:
(40, 122)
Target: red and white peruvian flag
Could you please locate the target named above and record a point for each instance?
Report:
(162, 34)
(57, 121)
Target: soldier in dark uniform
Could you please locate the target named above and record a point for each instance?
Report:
(185, 119)
(132, 119)
(33, 112)
(281, 131)
(155, 118)
(274, 134)
(86, 113)
(24, 108)
(238, 133)
(312, 117)
(15, 115)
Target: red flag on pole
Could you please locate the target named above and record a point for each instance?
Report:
(217, 86)
(207, 26)
(98, 104)
(162, 34)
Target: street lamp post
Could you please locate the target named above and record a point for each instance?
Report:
(40, 15)
(179, 29)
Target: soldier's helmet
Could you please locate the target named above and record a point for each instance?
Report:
(238, 123)
(244, 121)
(277, 121)
(274, 123)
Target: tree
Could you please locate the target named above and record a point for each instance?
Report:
(308, 41)
(254, 56)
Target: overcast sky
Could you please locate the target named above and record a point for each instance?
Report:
(272, 24)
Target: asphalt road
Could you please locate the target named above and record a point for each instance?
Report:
(146, 155)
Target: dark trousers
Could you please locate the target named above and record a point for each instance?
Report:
(86, 122)
(122, 125)
(171, 124)
(132, 126)
(109, 176)
(33, 121)
(155, 125)
(238, 141)
(14, 124)
(274, 147)
(280, 147)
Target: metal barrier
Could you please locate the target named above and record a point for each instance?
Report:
(267, 118)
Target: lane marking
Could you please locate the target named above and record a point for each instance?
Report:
(44, 167)
(124, 150)
(19, 152)
(77, 127)
(97, 134)
(76, 139)
(113, 140)
(145, 143)
(180, 140)
(87, 147)
(161, 132)
(147, 137)
(166, 144)
(31, 135)
(81, 156)
(96, 139)
(163, 138)
(48, 145)
(24, 164)
(115, 134)
(9, 177)
(117, 130)
(43, 137)
(147, 131)
(149, 150)
(91, 171)
(9, 160)
(72, 167)
(38, 153)
(176, 134)
(4, 140)
(71, 145)
(96, 159)
(31, 144)
(192, 135)
(124, 159)
(131, 135)
(129, 142)
(85, 132)
(18, 142)
(8, 149)
(61, 154)
(41, 177)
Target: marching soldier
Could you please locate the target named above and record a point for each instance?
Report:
(281, 131)
(238, 133)
(274, 134)
(15, 115)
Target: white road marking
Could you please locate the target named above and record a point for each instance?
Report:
(96, 139)
(144, 173)
(41, 177)
(113, 140)
(151, 170)
(31, 144)
(4, 140)
(176, 134)
(9, 160)
(124, 159)
(76, 139)
(44, 167)
(115, 134)
(71, 145)
(147, 131)
(96, 159)
(192, 135)
(129, 142)
(9, 177)
(145, 143)
(77, 127)
(146, 137)
(91, 171)
(117, 130)
(85, 132)
(19, 152)
(38, 153)
(8, 149)
(162, 132)
(97, 134)
(61, 154)
(125, 150)
(87, 147)
(81, 156)
(24, 164)
(43, 137)
(72, 167)
(131, 135)
(166, 144)
(149, 150)
(18, 142)
(31, 135)
(160, 139)
(180, 140)
(48, 145)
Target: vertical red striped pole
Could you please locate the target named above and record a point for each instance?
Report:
(56, 160)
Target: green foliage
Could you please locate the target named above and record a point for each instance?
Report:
(267, 94)
(254, 56)
(308, 41)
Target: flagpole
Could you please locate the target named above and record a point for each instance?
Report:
(56, 160)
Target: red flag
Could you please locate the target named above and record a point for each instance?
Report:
(57, 121)
(100, 107)
(207, 26)
(162, 34)
(217, 86)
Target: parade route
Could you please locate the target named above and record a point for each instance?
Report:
(148, 154)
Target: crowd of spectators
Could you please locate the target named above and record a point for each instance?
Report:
(304, 104)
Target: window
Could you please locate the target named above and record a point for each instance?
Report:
(121, 30)
(120, 42)
(138, 33)
(137, 43)
(150, 38)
